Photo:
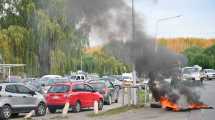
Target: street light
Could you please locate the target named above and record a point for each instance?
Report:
(157, 27)
(134, 72)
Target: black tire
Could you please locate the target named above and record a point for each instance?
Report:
(116, 101)
(15, 115)
(5, 112)
(77, 107)
(41, 110)
(100, 104)
(109, 100)
(52, 110)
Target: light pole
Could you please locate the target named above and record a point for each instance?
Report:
(157, 27)
(134, 72)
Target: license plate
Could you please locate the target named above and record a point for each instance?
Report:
(55, 97)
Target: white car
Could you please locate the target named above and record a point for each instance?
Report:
(209, 74)
(191, 73)
(51, 76)
(17, 98)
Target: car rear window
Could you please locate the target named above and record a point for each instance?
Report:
(59, 89)
(98, 86)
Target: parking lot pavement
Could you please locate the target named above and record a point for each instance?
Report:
(82, 115)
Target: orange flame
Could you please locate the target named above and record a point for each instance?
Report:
(168, 104)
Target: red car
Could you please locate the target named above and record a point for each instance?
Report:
(78, 94)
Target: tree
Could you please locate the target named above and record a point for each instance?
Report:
(200, 56)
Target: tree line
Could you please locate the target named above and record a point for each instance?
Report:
(199, 51)
(180, 44)
(44, 40)
(205, 57)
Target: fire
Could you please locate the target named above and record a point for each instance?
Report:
(198, 106)
(168, 104)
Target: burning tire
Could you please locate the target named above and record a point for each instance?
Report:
(155, 105)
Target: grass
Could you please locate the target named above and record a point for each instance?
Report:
(116, 111)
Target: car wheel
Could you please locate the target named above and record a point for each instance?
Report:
(5, 112)
(116, 101)
(15, 115)
(100, 104)
(52, 110)
(109, 102)
(77, 107)
(41, 110)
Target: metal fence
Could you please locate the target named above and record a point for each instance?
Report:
(135, 95)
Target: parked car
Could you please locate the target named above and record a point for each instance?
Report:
(209, 74)
(78, 94)
(114, 81)
(46, 83)
(191, 73)
(51, 76)
(107, 89)
(16, 98)
(127, 77)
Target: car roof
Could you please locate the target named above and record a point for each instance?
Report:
(69, 83)
(51, 76)
(208, 69)
(7, 83)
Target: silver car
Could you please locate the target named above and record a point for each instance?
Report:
(16, 98)
(209, 74)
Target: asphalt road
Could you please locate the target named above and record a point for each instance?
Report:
(207, 94)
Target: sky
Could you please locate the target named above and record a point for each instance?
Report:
(197, 17)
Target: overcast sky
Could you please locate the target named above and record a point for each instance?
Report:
(198, 17)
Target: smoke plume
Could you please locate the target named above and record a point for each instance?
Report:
(111, 22)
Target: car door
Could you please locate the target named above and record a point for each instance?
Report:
(28, 100)
(112, 90)
(79, 93)
(14, 99)
(88, 95)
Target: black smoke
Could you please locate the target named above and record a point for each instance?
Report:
(111, 22)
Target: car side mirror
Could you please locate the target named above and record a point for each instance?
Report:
(32, 93)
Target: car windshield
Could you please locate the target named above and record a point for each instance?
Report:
(73, 77)
(190, 70)
(59, 89)
(53, 81)
(211, 71)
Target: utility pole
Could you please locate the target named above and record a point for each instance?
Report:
(134, 72)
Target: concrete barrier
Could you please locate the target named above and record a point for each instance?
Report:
(65, 109)
(29, 115)
(96, 109)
